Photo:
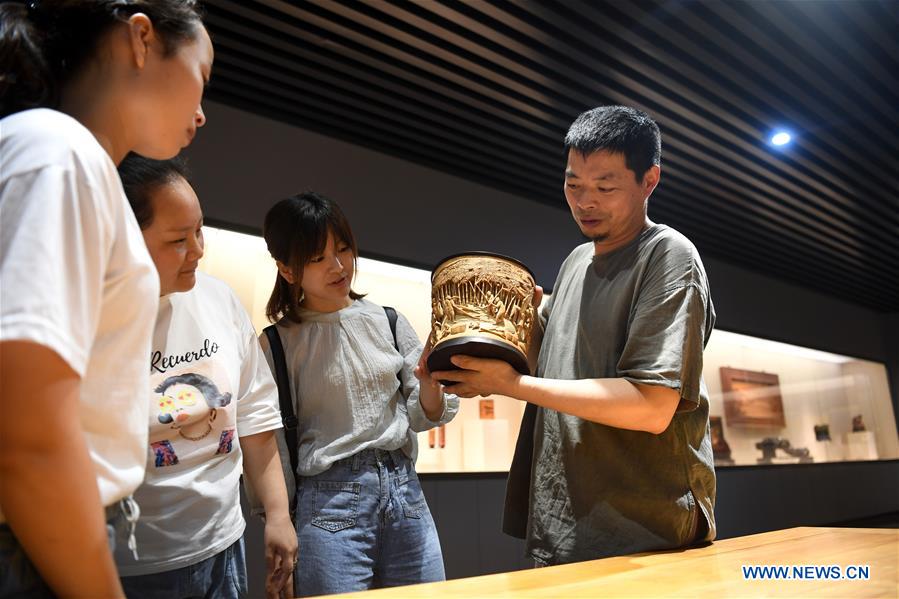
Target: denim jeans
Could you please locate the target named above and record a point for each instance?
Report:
(364, 523)
(222, 576)
(19, 577)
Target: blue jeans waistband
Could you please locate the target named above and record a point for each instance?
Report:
(372, 457)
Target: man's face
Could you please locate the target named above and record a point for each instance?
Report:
(606, 200)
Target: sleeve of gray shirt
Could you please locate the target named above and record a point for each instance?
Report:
(547, 307)
(670, 322)
(411, 348)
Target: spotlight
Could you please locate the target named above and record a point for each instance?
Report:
(781, 138)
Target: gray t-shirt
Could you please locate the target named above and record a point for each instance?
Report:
(642, 313)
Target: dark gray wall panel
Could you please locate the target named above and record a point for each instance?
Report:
(757, 499)
(748, 302)
(244, 163)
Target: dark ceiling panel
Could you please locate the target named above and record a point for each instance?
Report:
(485, 89)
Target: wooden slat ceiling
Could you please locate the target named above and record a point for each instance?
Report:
(485, 89)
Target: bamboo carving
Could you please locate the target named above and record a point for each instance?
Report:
(481, 295)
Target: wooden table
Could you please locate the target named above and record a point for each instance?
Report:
(712, 571)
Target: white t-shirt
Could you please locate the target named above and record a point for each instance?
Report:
(76, 277)
(209, 386)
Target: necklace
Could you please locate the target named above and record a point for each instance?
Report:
(189, 438)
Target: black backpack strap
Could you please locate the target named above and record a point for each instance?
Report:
(391, 318)
(288, 417)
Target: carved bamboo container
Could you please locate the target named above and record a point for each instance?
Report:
(481, 305)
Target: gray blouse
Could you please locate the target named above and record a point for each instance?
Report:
(346, 386)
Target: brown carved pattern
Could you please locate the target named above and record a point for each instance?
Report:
(474, 295)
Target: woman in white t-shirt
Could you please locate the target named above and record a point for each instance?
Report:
(360, 394)
(82, 83)
(213, 407)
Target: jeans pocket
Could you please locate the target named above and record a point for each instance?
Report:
(413, 499)
(335, 504)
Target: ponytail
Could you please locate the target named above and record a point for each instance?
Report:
(25, 79)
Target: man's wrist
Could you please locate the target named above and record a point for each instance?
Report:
(516, 386)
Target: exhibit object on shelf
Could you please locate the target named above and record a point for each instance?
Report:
(822, 432)
(752, 399)
(858, 425)
(720, 448)
(437, 437)
(485, 409)
(770, 445)
(481, 305)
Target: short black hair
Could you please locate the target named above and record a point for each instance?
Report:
(619, 130)
(143, 176)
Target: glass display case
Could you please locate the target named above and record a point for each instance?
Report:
(775, 403)
(771, 403)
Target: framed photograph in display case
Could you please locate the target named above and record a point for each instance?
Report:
(752, 399)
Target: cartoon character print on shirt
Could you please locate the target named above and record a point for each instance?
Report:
(196, 419)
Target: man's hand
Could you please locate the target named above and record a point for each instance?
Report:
(538, 296)
(280, 557)
(479, 376)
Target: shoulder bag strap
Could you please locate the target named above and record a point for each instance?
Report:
(391, 318)
(288, 417)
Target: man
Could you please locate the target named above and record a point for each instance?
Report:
(616, 444)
